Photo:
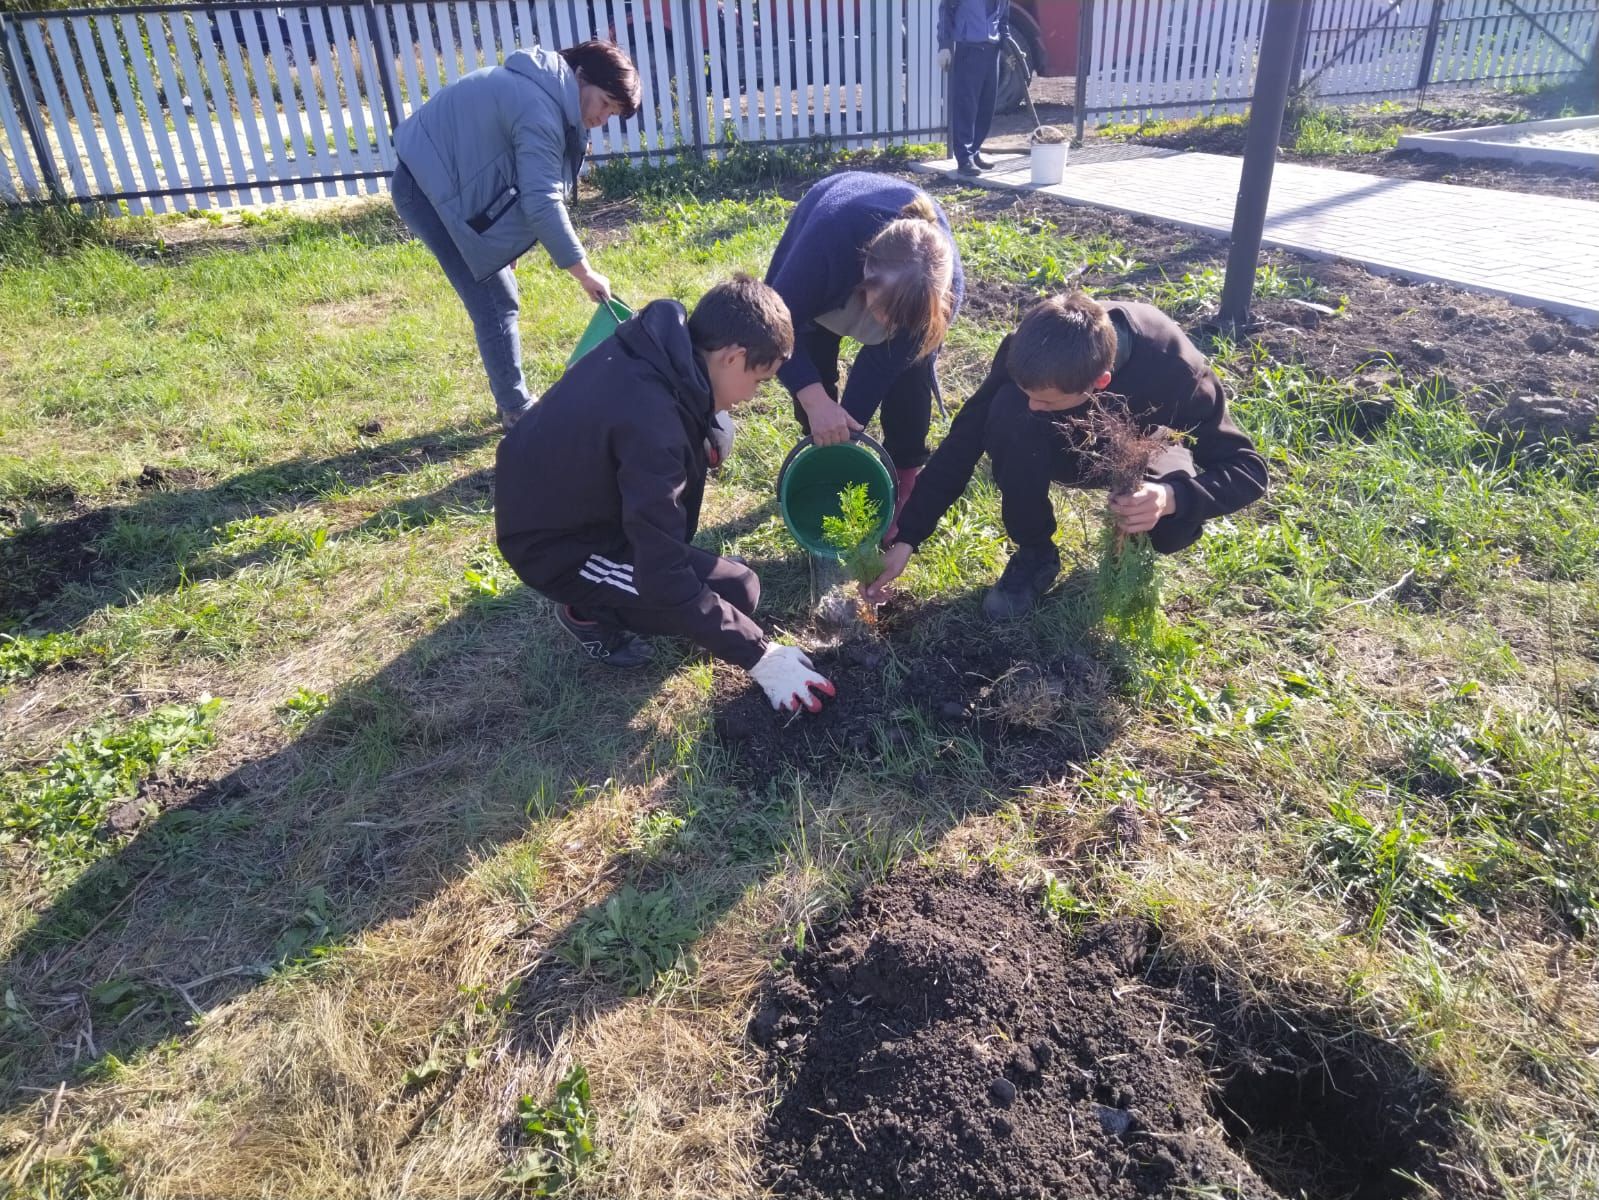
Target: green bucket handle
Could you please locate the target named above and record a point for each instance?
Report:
(807, 443)
(607, 316)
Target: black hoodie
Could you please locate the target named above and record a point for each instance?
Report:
(1166, 383)
(611, 461)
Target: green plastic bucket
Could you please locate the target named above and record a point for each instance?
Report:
(608, 314)
(813, 476)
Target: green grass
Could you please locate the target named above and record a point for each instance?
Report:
(417, 860)
(1324, 131)
(736, 167)
(1308, 130)
(57, 808)
(1040, 256)
(1169, 126)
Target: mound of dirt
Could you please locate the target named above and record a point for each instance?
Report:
(946, 1039)
(1031, 720)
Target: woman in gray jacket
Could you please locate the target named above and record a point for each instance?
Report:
(482, 178)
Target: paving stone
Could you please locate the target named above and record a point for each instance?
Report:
(1541, 251)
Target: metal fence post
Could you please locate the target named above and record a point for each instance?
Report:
(1429, 51)
(688, 17)
(1260, 154)
(1085, 55)
(12, 60)
(385, 68)
(1593, 64)
(1301, 45)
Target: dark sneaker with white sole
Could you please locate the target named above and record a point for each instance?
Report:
(1027, 577)
(605, 643)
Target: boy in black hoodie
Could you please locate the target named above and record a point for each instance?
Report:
(1033, 417)
(598, 487)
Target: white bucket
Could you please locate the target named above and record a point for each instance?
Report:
(1049, 162)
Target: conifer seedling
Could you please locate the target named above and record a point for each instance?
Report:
(853, 533)
(1127, 589)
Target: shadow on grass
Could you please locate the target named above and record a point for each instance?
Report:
(490, 724)
(58, 573)
(477, 729)
(371, 221)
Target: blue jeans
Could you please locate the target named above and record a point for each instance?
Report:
(973, 85)
(493, 304)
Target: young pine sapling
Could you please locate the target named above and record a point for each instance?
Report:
(1127, 590)
(853, 533)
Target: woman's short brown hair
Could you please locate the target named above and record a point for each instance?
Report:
(909, 269)
(1065, 342)
(607, 67)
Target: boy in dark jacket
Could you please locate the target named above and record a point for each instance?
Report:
(1032, 416)
(598, 488)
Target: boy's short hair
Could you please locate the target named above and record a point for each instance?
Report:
(1065, 342)
(743, 311)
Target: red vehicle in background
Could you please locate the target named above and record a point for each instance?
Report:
(1045, 33)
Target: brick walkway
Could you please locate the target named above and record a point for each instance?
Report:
(1541, 251)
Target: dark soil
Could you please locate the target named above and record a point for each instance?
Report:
(1482, 348)
(946, 1039)
(1463, 113)
(1574, 183)
(1031, 720)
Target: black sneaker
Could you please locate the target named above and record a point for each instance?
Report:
(605, 643)
(968, 171)
(1029, 574)
(982, 162)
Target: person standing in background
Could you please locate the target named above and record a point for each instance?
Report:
(484, 169)
(970, 34)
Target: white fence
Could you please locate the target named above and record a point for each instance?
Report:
(1177, 58)
(202, 105)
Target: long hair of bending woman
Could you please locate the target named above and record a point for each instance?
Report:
(908, 273)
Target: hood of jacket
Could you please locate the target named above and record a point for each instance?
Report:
(549, 72)
(659, 336)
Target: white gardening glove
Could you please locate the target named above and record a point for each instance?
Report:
(720, 444)
(944, 59)
(789, 680)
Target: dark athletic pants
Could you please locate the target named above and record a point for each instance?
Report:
(973, 84)
(600, 588)
(907, 409)
(1028, 451)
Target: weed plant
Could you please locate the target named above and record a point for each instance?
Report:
(58, 808)
(561, 1137)
(633, 939)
